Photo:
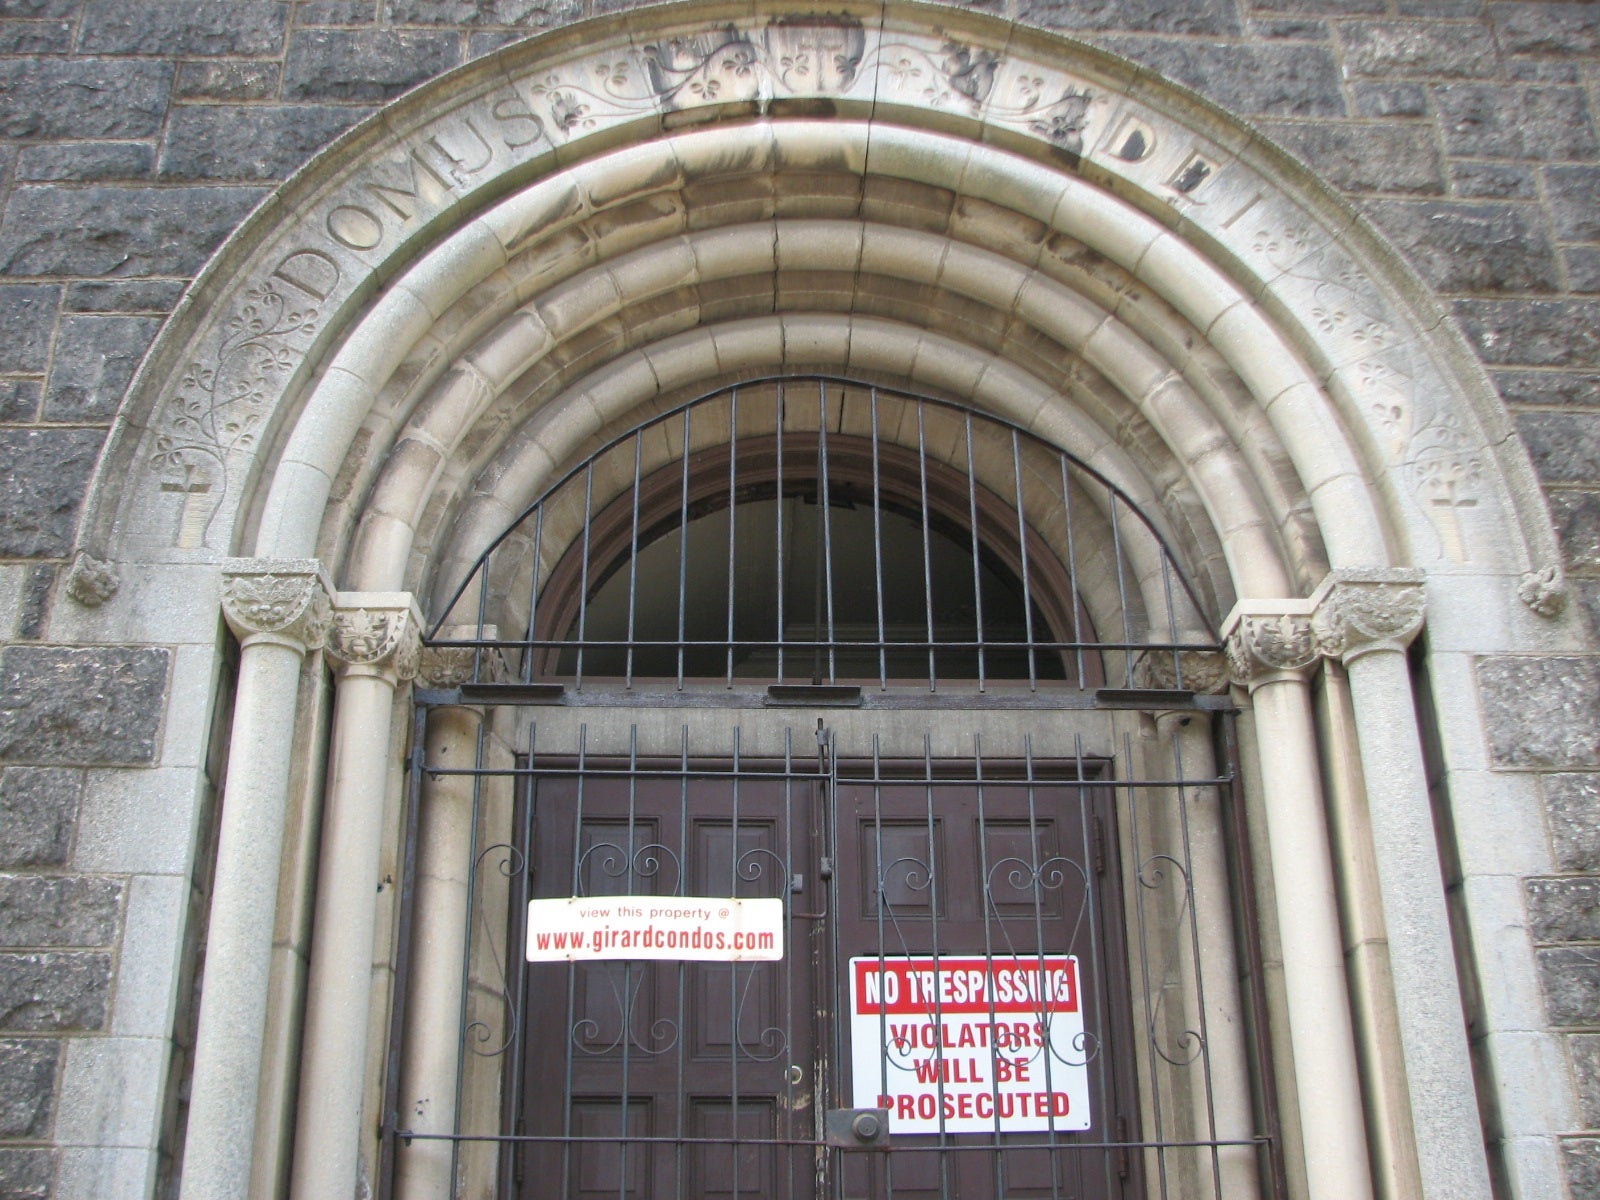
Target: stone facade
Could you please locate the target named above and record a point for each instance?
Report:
(136, 136)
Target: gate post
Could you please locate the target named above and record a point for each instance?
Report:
(1272, 651)
(375, 642)
(431, 1040)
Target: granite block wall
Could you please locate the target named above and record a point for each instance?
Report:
(135, 134)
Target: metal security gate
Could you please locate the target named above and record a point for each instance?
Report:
(670, 1079)
(1018, 950)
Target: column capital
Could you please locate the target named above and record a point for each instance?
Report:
(1204, 672)
(284, 600)
(451, 666)
(1269, 640)
(1361, 610)
(377, 634)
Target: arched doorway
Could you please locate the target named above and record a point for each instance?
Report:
(1005, 933)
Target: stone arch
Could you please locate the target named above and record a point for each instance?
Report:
(472, 287)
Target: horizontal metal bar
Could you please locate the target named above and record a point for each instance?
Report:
(815, 695)
(923, 1148)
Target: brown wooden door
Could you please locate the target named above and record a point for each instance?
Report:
(666, 1080)
(940, 871)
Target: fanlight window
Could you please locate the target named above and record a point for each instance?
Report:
(815, 530)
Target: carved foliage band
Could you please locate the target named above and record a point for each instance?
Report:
(1262, 646)
(378, 639)
(287, 600)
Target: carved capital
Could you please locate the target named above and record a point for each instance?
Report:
(286, 600)
(450, 666)
(1204, 672)
(1362, 611)
(1268, 645)
(376, 634)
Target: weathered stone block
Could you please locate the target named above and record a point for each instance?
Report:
(1581, 1158)
(123, 296)
(36, 595)
(38, 812)
(82, 98)
(1547, 28)
(337, 12)
(1485, 121)
(172, 27)
(95, 360)
(1142, 16)
(1548, 387)
(1331, 8)
(530, 14)
(1563, 910)
(1576, 515)
(1574, 199)
(1583, 268)
(487, 41)
(43, 473)
(1585, 1049)
(97, 705)
(26, 1173)
(333, 64)
(1365, 158)
(27, 1087)
(1533, 333)
(36, 37)
(1414, 48)
(1391, 100)
(1278, 80)
(227, 141)
(19, 400)
(28, 315)
(99, 231)
(1494, 181)
(39, 911)
(1471, 247)
(1541, 712)
(1302, 29)
(227, 79)
(1565, 445)
(1572, 803)
(39, 8)
(80, 162)
(54, 991)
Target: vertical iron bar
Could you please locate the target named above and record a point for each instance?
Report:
(1046, 1017)
(633, 555)
(933, 933)
(977, 570)
(1072, 572)
(881, 906)
(583, 585)
(997, 1156)
(782, 414)
(572, 969)
(877, 548)
(1087, 818)
(523, 840)
(927, 551)
(1172, 617)
(734, 1007)
(825, 499)
(786, 967)
(733, 506)
(1022, 551)
(1122, 596)
(627, 997)
(530, 652)
(683, 884)
(683, 542)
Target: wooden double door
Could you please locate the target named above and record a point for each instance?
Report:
(660, 1079)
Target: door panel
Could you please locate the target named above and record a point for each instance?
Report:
(656, 1080)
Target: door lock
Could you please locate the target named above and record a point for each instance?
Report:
(858, 1128)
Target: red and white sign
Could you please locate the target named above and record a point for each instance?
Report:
(970, 1044)
(681, 928)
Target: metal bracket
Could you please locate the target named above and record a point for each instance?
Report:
(857, 1128)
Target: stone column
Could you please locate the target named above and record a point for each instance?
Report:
(1272, 651)
(1366, 618)
(375, 643)
(279, 610)
(1227, 1113)
(435, 1002)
